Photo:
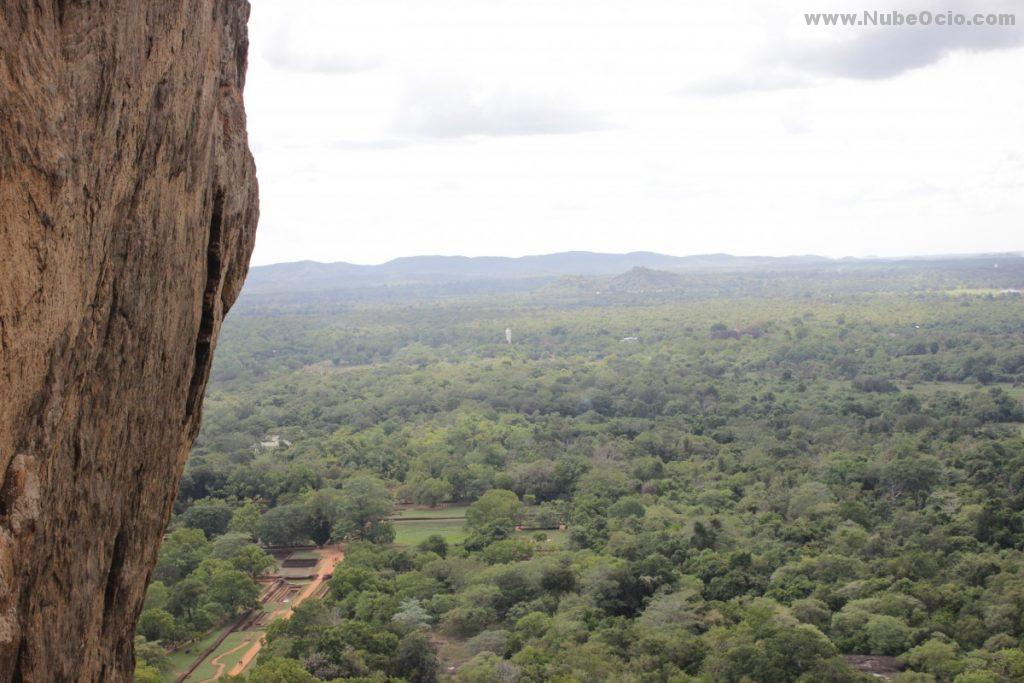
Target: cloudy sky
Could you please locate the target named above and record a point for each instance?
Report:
(507, 127)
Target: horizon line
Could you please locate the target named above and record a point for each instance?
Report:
(869, 257)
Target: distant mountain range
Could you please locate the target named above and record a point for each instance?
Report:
(575, 276)
(315, 276)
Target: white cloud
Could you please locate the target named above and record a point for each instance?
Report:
(755, 80)
(460, 110)
(393, 127)
(884, 52)
(283, 52)
(799, 55)
(305, 36)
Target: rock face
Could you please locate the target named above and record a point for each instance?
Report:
(128, 208)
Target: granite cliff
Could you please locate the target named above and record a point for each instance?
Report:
(128, 207)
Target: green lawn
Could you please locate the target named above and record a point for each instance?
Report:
(412, 532)
(303, 555)
(450, 511)
(980, 291)
(207, 668)
(183, 658)
(269, 606)
(930, 388)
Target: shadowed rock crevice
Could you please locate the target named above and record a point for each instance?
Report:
(207, 323)
(128, 207)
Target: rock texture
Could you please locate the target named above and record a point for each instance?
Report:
(128, 208)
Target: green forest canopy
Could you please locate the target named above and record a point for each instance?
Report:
(757, 473)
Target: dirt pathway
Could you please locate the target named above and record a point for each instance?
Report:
(221, 666)
(329, 557)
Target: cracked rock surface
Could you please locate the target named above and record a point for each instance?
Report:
(128, 208)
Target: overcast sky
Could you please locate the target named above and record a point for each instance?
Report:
(510, 127)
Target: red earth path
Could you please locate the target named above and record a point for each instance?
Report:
(329, 557)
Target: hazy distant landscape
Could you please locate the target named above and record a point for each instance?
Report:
(312, 276)
(603, 276)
